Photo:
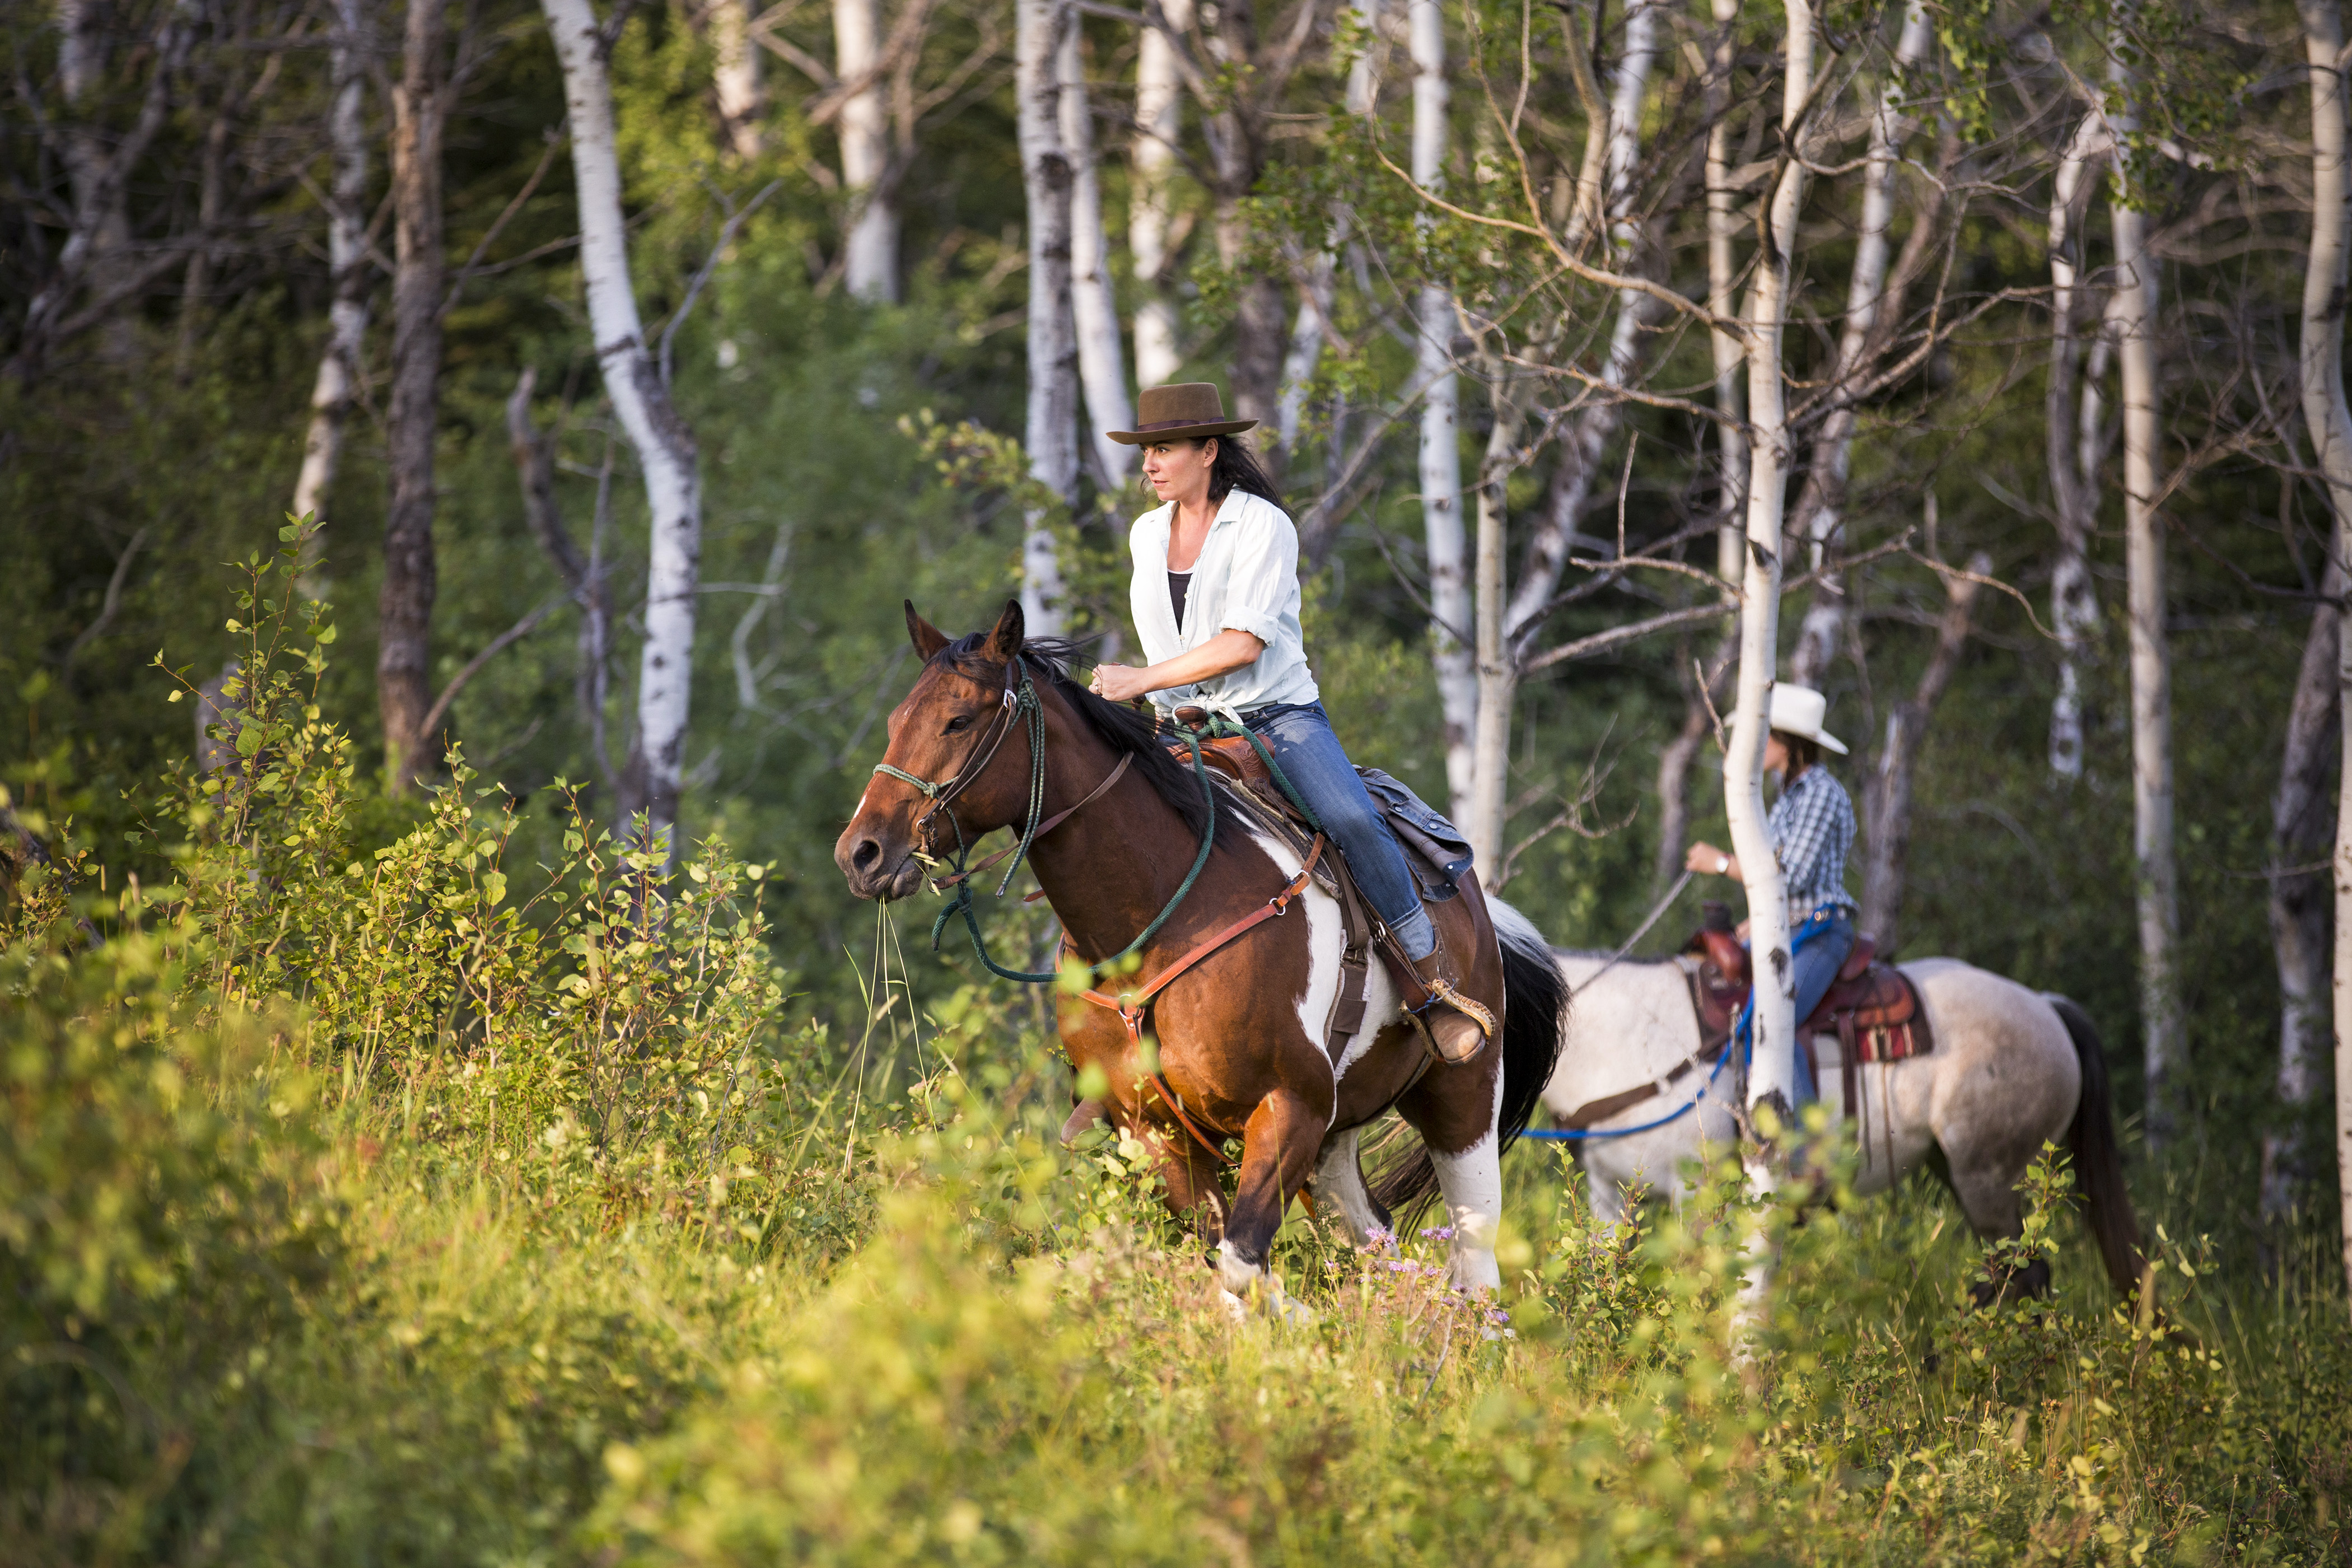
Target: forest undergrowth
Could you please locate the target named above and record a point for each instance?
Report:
(417, 1205)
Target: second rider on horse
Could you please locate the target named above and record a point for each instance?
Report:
(1215, 600)
(1811, 826)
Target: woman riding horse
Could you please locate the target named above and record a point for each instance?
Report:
(1811, 829)
(1216, 599)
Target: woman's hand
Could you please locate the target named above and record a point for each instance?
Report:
(1120, 682)
(1705, 859)
(1228, 651)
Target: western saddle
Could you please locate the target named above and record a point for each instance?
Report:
(1871, 1008)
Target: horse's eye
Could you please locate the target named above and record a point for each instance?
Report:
(957, 726)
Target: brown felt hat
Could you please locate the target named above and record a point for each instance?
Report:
(1184, 412)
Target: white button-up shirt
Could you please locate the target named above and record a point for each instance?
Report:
(1245, 580)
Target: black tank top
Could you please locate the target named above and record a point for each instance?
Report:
(1180, 585)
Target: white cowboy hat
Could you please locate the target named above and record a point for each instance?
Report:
(1799, 710)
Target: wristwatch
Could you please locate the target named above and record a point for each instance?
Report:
(1722, 865)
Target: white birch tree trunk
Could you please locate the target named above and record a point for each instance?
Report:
(1772, 1078)
(1450, 604)
(1624, 154)
(2302, 824)
(735, 76)
(1588, 439)
(1159, 126)
(1305, 350)
(1821, 510)
(664, 446)
(1498, 670)
(870, 264)
(2151, 671)
(2326, 412)
(2074, 602)
(1051, 435)
(333, 392)
(1722, 272)
(1102, 364)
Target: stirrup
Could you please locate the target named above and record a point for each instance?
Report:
(1446, 1040)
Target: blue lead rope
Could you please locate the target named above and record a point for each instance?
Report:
(1811, 927)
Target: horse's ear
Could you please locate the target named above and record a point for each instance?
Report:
(1006, 638)
(927, 638)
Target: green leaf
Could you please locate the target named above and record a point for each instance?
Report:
(494, 885)
(248, 739)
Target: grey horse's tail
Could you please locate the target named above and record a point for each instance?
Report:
(2098, 1164)
(1534, 998)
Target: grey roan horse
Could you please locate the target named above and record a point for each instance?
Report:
(2012, 1069)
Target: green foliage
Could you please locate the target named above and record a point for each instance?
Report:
(167, 1209)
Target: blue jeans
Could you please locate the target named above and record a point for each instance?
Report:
(1300, 738)
(1823, 938)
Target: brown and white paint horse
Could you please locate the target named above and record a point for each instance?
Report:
(1240, 1036)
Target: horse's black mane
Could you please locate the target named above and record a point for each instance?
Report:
(1121, 728)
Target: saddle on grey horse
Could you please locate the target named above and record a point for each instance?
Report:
(1871, 1008)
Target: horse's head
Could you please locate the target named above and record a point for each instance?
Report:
(957, 729)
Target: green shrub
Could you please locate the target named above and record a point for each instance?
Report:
(167, 1211)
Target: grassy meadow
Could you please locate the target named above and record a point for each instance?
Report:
(430, 1205)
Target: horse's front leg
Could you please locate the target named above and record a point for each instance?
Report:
(1279, 1142)
(1338, 1185)
(1189, 1179)
(1472, 1182)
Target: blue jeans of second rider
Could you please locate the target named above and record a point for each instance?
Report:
(1817, 957)
(1300, 737)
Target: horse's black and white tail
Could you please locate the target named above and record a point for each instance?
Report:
(2098, 1163)
(1535, 999)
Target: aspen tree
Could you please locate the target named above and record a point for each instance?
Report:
(1159, 126)
(1102, 366)
(404, 603)
(2329, 420)
(870, 267)
(1052, 429)
(1441, 456)
(336, 387)
(664, 446)
(2151, 659)
(1772, 1072)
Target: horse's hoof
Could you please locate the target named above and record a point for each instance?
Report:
(1285, 1308)
(1277, 1304)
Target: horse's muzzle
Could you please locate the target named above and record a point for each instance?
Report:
(873, 866)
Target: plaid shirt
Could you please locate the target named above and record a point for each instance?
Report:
(1811, 826)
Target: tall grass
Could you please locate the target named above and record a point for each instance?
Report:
(422, 1207)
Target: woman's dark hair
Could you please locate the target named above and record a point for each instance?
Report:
(1803, 750)
(1235, 468)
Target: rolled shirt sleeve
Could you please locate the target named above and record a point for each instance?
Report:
(1263, 583)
